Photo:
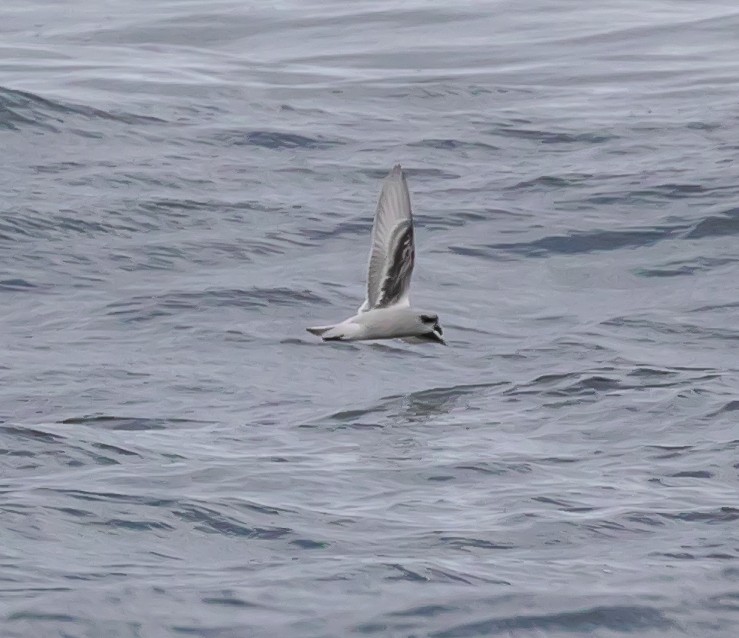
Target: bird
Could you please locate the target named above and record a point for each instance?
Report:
(386, 312)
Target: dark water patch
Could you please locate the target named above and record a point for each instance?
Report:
(42, 616)
(394, 349)
(212, 630)
(63, 223)
(725, 601)
(31, 434)
(683, 268)
(351, 415)
(583, 242)
(579, 384)
(275, 140)
(619, 618)
(201, 252)
(595, 383)
(453, 145)
(74, 512)
(307, 543)
(704, 474)
(553, 137)
(431, 573)
(152, 308)
(360, 227)
(22, 108)
(434, 395)
(717, 516)
(646, 326)
(414, 406)
(216, 252)
(131, 424)
(679, 191)
(229, 599)
(496, 468)
(43, 448)
(648, 372)
(178, 209)
(260, 508)
(133, 525)
(59, 168)
(423, 611)
(725, 224)
(470, 542)
(96, 496)
(546, 182)
(629, 197)
(17, 285)
(670, 451)
(731, 406)
(405, 574)
(115, 449)
(484, 252)
(577, 508)
(723, 307)
(211, 521)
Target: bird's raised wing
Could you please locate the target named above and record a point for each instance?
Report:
(393, 253)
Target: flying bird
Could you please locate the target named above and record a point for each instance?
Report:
(386, 312)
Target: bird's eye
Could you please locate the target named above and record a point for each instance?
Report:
(428, 319)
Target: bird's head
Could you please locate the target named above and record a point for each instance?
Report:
(431, 321)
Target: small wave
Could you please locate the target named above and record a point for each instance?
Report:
(718, 515)
(211, 521)
(39, 447)
(579, 384)
(644, 326)
(731, 406)
(685, 268)
(423, 402)
(574, 243)
(34, 224)
(229, 599)
(275, 140)
(430, 573)
(587, 242)
(137, 525)
(550, 181)
(453, 145)
(625, 618)
(359, 227)
(16, 285)
(146, 308)
(20, 108)
(725, 307)
(128, 423)
(554, 137)
(722, 225)
(693, 474)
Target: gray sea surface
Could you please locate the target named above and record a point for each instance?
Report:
(185, 185)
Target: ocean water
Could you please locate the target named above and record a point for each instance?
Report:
(186, 185)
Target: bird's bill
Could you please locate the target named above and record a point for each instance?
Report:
(435, 335)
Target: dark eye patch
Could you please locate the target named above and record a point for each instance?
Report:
(429, 318)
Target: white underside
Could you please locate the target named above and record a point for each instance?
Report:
(386, 323)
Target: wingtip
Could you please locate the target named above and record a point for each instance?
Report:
(397, 170)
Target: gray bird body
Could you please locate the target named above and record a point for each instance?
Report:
(386, 312)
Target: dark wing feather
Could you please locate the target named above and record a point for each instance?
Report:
(392, 254)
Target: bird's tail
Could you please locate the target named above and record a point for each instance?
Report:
(319, 330)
